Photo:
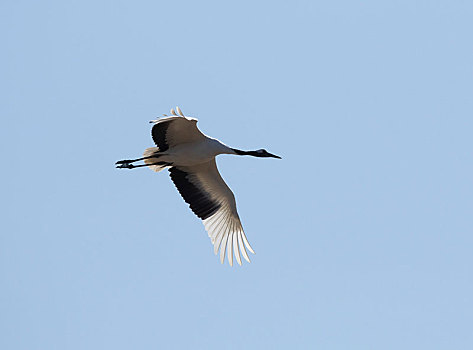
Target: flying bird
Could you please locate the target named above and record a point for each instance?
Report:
(190, 157)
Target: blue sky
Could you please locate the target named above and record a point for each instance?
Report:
(362, 232)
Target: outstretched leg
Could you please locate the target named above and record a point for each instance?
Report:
(131, 166)
(128, 161)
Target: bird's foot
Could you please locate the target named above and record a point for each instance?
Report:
(123, 164)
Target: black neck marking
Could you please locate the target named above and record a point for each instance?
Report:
(245, 153)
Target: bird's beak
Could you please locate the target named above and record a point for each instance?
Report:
(274, 156)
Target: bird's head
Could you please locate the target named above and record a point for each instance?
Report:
(263, 153)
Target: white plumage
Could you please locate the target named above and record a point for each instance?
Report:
(190, 157)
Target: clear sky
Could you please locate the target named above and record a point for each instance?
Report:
(362, 232)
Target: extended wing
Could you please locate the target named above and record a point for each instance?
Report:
(172, 131)
(211, 200)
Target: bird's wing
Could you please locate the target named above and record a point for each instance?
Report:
(211, 200)
(173, 131)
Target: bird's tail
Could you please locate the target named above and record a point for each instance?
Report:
(149, 152)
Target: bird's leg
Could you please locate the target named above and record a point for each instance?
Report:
(131, 166)
(128, 161)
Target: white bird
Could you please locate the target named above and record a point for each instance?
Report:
(190, 157)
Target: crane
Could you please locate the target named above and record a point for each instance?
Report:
(189, 155)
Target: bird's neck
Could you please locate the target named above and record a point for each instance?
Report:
(219, 147)
(244, 153)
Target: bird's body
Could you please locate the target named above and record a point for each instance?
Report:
(190, 157)
(197, 152)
